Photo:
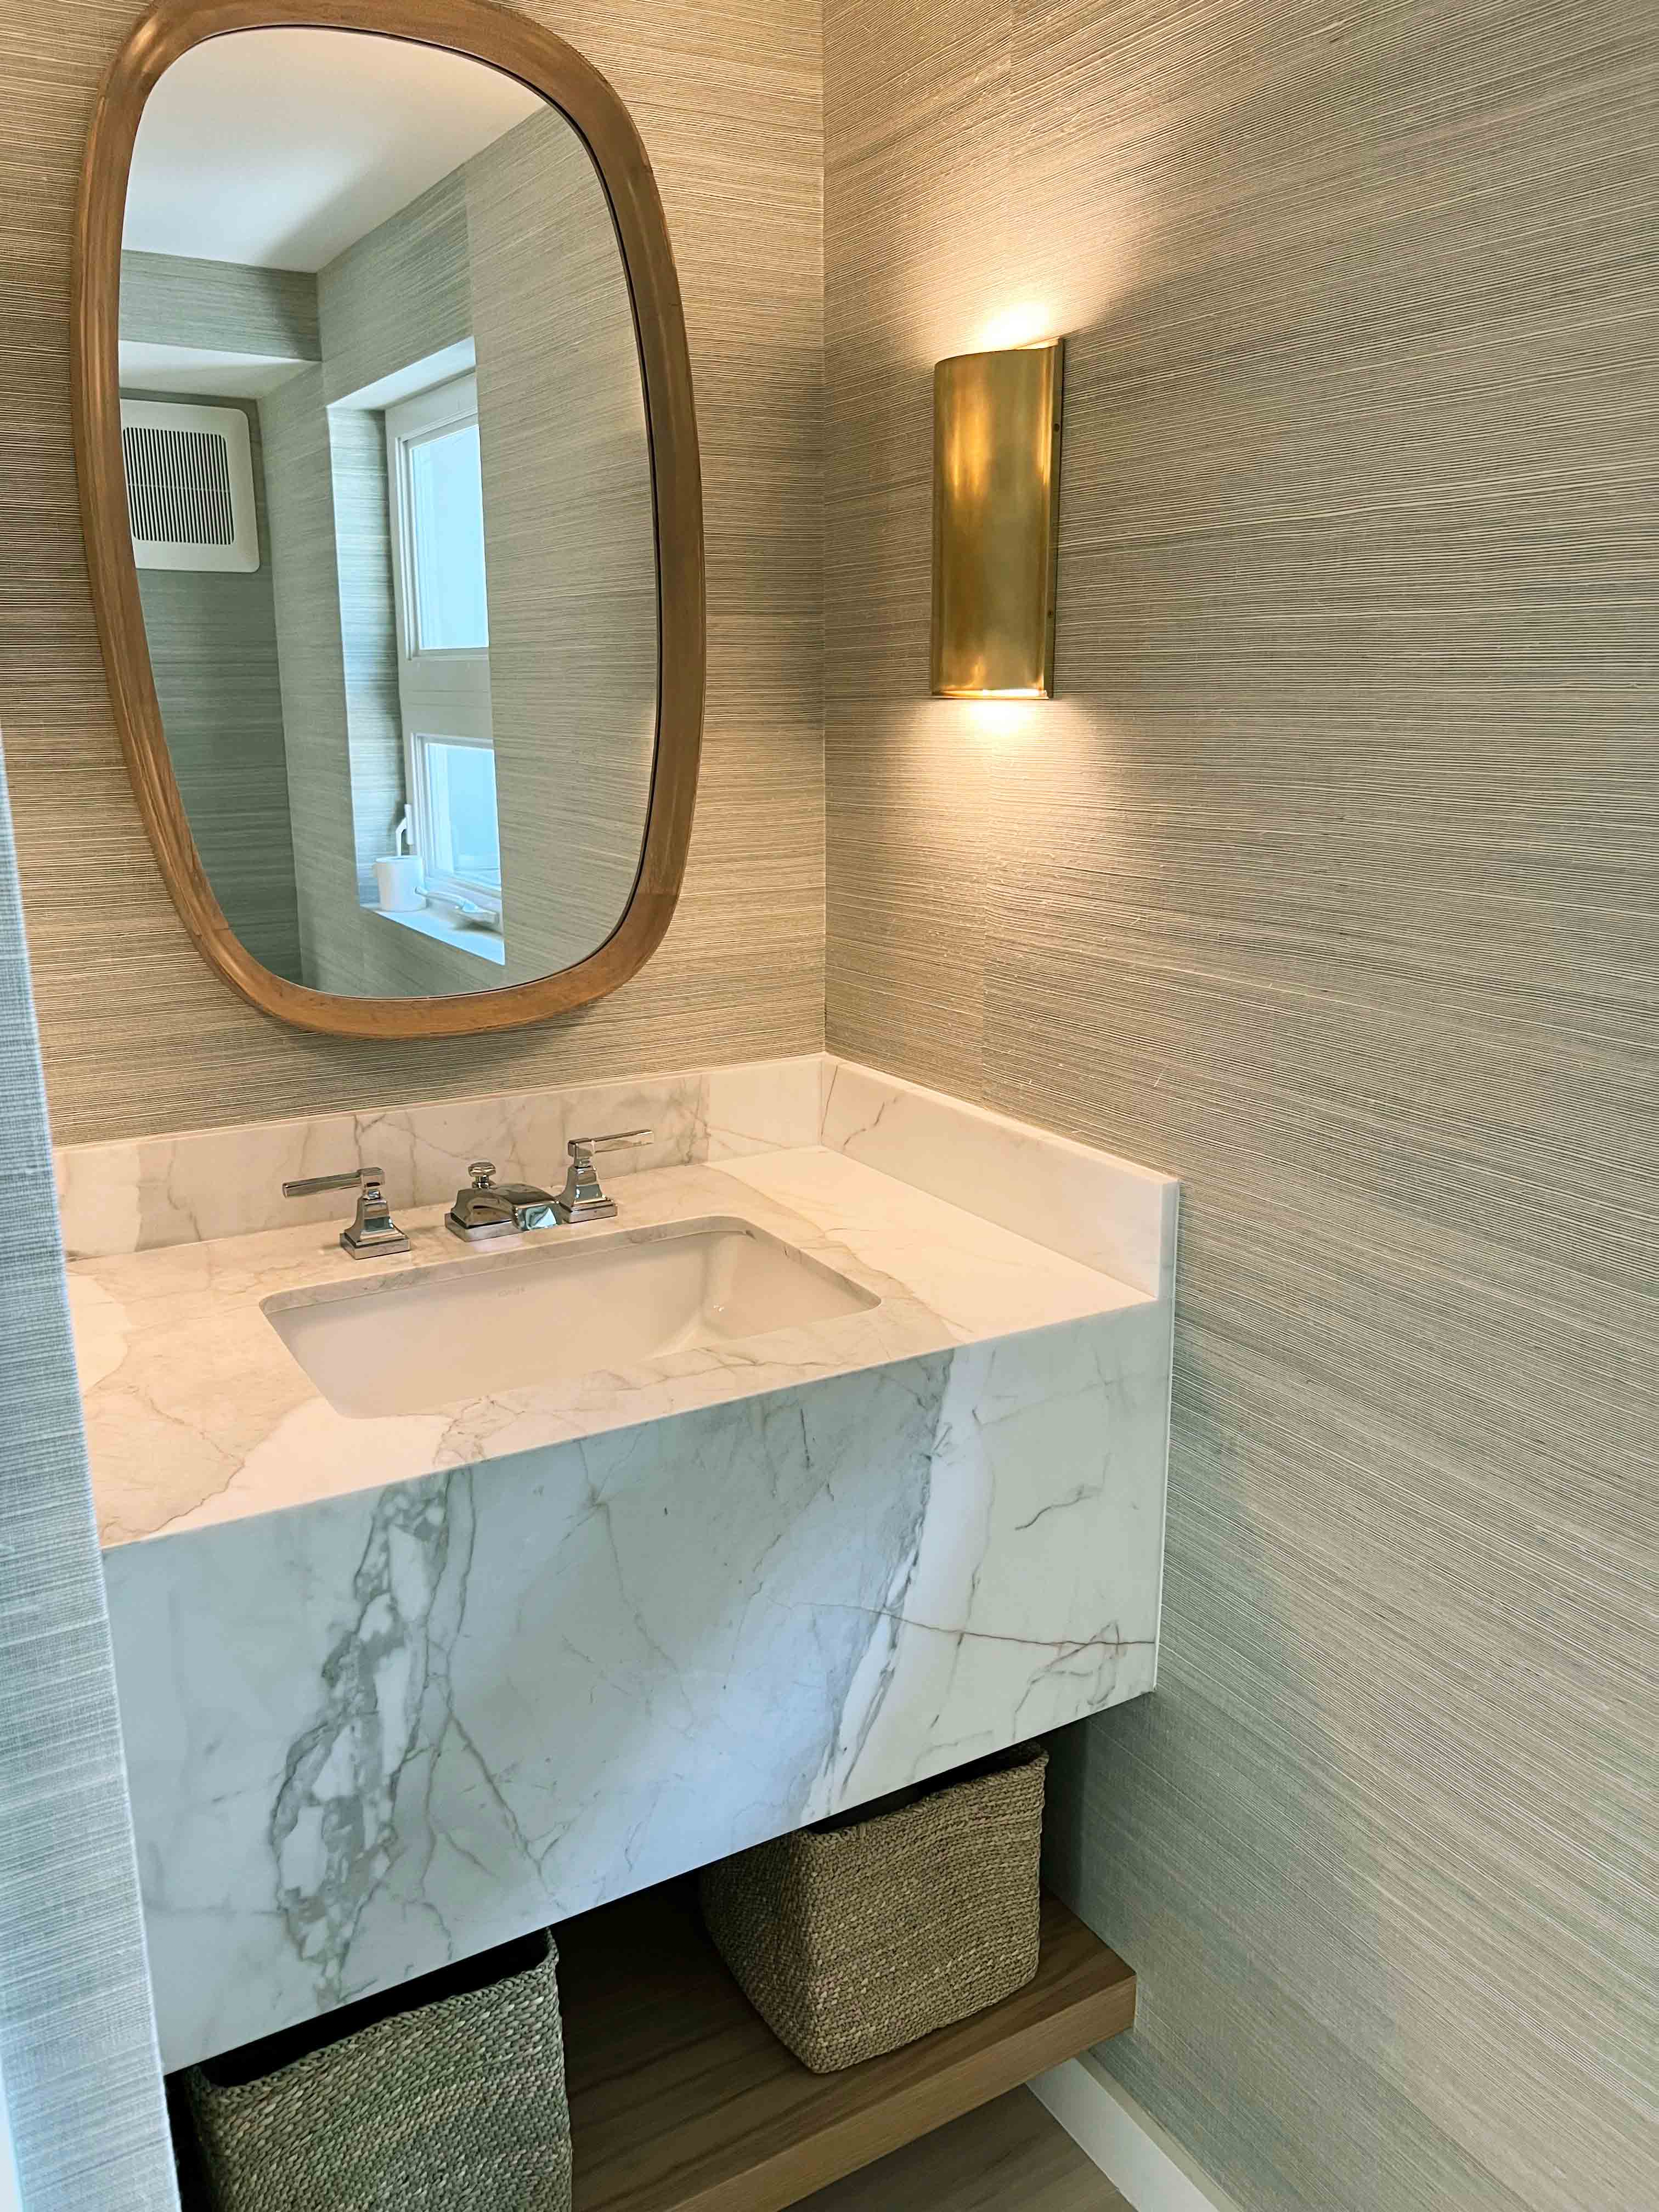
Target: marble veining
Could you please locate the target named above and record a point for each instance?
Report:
(397, 1688)
(399, 1725)
(386, 1691)
(1106, 1212)
(196, 1412)
(145, 1193)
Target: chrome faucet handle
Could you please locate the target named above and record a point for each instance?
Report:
(482, 1173)
(620, 1140)
(373, 1233)
(581, 1198)
(308, 1186)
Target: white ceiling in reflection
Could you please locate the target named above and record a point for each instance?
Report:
(310, 138)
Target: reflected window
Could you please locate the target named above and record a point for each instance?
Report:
(446, 534)
(455, 795)
(436, 488)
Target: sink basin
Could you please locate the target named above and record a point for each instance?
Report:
(467, 1328)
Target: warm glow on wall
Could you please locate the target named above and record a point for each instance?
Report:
(1026, 326)
(1005, 719)
(996, 506)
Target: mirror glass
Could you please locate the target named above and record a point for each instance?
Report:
(389, 485)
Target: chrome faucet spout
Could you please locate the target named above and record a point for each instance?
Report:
(487, 1210)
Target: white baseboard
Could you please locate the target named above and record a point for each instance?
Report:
(1137, 2155)
(11, 2196)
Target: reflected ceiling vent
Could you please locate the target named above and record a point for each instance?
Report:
(189, 486)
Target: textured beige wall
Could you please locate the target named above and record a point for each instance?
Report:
(137, 1034)
(1328, 883)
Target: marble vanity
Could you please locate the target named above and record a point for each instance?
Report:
(398, 1684)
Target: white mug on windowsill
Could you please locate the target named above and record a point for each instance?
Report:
(399, 883)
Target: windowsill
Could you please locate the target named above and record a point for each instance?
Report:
(482, 944)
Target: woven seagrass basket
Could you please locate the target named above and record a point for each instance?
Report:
(452, 2104)
(855, 1937)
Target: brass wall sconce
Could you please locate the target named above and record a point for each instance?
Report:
(996, 522)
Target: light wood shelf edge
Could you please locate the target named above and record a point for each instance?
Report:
(682, 2101)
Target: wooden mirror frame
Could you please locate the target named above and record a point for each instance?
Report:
(521, 48)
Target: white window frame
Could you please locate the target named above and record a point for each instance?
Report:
(443, 692)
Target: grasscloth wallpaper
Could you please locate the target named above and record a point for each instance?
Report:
(136, 1034)
(1328, 883)
(81, 2119)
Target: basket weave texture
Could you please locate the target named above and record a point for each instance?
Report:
(852, 1941)
(457, 2106)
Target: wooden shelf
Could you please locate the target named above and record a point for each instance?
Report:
(683, 2100)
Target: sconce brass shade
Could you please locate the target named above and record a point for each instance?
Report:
(996, 522)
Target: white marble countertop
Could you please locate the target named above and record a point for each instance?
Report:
(196, 1412)
(396, 1689)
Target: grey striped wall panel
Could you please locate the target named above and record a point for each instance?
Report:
(212, 638)
(1328, 883)
(168, 298)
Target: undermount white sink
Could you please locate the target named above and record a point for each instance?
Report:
(410, 1343)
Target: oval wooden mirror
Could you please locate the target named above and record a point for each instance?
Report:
(389, 479)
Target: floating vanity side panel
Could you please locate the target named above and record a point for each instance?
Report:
(394, 1728)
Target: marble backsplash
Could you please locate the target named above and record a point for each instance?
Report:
(1105, 1212)
(146, 1193)
(141, 1194)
